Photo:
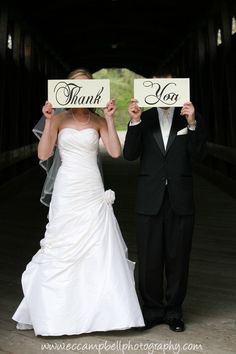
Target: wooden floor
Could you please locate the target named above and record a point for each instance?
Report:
(210, 306)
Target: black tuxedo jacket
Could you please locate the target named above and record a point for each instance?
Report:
(158, 165)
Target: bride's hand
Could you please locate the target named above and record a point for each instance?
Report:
(110, 109)
(48, 110)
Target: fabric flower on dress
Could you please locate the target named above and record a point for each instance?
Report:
(109, 196)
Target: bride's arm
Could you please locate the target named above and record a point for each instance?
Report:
(108, 131)
(49, 136)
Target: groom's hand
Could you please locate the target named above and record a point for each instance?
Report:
(134, 110)
(188, 111)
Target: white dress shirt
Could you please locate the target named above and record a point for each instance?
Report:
(134, 123)
(165, 120)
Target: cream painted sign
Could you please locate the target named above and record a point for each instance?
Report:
(173, 92)
(78, 93)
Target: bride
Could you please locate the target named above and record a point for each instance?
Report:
(81, 279)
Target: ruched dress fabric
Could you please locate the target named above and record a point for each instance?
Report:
(81, 279)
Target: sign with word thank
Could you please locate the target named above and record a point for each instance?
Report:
(79, 93)
(171, 92)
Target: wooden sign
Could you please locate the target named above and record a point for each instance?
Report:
(173, 92)
(79, 93)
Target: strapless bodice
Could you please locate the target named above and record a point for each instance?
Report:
(78, 148)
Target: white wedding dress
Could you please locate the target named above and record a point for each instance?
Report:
(81, 279)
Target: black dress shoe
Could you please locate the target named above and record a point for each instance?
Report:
(175, 324)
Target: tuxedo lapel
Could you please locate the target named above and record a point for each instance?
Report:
(176, 124)
(157, 133)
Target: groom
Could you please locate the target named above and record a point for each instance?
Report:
(166, 140)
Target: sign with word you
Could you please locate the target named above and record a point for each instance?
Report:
(79, 93)
(161, 92)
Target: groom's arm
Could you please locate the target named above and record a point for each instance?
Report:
(132, 145)
(197, 140)
(133, 142)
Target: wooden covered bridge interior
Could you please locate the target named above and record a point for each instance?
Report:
(44, 40)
